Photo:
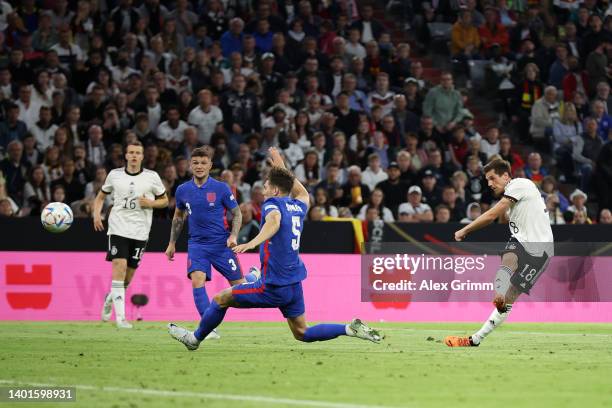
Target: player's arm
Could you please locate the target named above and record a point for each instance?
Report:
(178, 221)
(232, 240)
(161, 201)
(489, 216)
(270, 227)
(298, 191)
(97, 210)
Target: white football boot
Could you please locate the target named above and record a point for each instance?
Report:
(362, 331)
(184, 336)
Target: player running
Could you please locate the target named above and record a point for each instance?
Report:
(280, 285)
(527, 252)
(136, 191)
(205, 201)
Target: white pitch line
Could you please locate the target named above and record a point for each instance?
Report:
(552, 334)
(210, 395)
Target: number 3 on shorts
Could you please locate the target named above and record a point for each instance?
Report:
(233, 264)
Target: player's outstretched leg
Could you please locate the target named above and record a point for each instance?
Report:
(324, 332)
(212, 318)
(505, 296)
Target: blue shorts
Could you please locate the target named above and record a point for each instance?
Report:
(201, 257)
(288, 299)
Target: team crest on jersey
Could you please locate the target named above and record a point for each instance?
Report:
(114, 250)
(211, 197)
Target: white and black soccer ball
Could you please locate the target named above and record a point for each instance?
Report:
(56, 217)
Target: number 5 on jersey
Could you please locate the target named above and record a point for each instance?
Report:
(295, 242)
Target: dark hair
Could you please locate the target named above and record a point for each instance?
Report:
(281, 178)
(202, 151)
(498, 166)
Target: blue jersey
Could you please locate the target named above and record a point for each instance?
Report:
(280, 259)
(206, 207)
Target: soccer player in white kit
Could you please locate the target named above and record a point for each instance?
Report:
(136, 192)
(527, 252)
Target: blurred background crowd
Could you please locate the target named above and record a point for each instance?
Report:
(379, 107)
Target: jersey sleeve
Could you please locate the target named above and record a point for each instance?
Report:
(228, 200)
(268, 206)
(107, 187)
(180, 198)
(515, 190)
(158, 186)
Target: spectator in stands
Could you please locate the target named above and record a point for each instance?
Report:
(565, 132)
(376, 201)
(432, 193)
(534, 170)
(36, 193)
(382, 96)
(455, 204)
(322, 200)
(544, 111)
(604, 121)
(603, 94)
(585, 152)
(560, 68)
(529, 90)
(442, 214)
(394, 188)
(475, 183)
(12, 128)
(493, 32)
(240, 112)
(605, 216)
(465, 40)
(308, 172)
(506, 153)
(374, 172)
(578, 199)
(597, 64)
(15, 171)
(74, 189)
(415, 210)
(555, 214)
(250, 226)
(575, 80)
(354, 191)
(473, 211)
(443, 103)
(549, 187)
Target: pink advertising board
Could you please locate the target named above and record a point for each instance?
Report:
(72, 285)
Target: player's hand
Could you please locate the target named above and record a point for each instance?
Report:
(170, 252)
(145, 202)
(231, 241)
(97, 221)
(460, 235)
(277, 159)
(239, 249)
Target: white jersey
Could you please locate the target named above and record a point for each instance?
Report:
(528, 217)
(206, 122)
(127, 219)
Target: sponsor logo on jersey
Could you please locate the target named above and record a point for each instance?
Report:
(293, 207)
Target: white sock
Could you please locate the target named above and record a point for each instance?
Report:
(494, 320)
(118, 295)
(349, 331)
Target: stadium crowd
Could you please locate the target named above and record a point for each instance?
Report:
(352, 111)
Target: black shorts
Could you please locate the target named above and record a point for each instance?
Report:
(529, 267)
(125, 248)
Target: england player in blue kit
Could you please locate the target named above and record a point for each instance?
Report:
(282, 270)
(205, 201)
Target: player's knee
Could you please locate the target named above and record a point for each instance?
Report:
(298, 333)
(198, 279)
(223, 298)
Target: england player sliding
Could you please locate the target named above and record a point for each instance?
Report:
(205, 201)
(527, 252)
(280, 285)
(136, 192)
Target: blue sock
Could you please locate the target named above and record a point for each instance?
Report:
(200, 297)
(322, 332)
(250, 277)
(212, 318)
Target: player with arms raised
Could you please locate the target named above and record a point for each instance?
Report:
(205, 201)
(527, 252)
(136, 192)
(280, 285)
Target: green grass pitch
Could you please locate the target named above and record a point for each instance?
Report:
(260, 365)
